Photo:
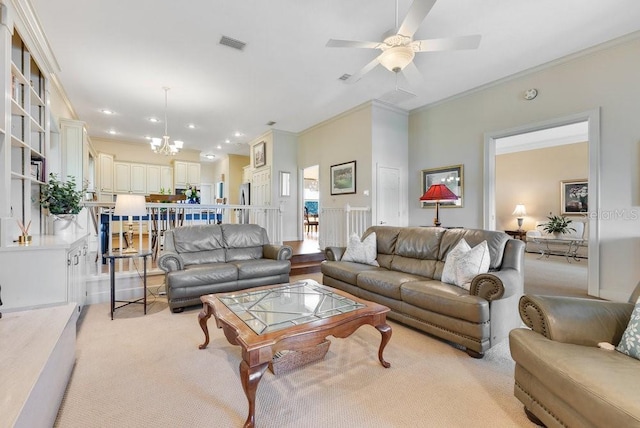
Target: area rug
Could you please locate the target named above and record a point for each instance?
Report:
(147, 371)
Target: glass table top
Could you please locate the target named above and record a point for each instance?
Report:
(287, 305)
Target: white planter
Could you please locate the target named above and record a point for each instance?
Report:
(63, 224)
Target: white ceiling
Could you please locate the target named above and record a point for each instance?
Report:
(119, 54)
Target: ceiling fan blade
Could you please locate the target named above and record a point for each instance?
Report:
(447, 44)
(413, 75)
(417, 12)
(364, 70)
(332, 43)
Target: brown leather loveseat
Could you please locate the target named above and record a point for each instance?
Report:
(407, 280)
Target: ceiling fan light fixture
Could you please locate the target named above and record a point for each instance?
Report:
(396, 58)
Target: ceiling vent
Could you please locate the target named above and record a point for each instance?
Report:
(344, 76)
(232, 43)
(271, 123)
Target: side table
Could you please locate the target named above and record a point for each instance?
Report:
(517, 234)
(112, 270)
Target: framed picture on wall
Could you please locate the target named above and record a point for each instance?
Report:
(259, 155)
(452, 176)
(574, 197)
(343, 178)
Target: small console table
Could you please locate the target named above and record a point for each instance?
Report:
(112, 270)
(517, 234)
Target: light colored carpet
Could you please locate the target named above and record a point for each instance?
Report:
(144, 371)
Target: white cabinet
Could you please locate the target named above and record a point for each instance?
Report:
(122, 174)
(52, 270)
(166, 179)
(138, 178)
(159, 179)
(154, 180)
(130, 177)
(105, 175)
(185, 174)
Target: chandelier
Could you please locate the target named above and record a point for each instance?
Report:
(162, 145)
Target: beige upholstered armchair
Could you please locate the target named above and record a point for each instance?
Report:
(562, 376)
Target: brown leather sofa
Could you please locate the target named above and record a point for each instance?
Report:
(411, 262)
(562, 377)
(212, 258)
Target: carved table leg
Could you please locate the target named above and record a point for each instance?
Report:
(203, 317)
(385, 330)
(250, 377)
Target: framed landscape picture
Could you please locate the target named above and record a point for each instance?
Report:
(343, 178)
(259, 155)
(574, 197)
(452, 176)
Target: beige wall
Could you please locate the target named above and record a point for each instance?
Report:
(233, 178)
(133, 152)
(344, 138)
(533, 178)
(453, 132)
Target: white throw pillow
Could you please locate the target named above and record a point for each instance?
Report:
(464, 262)
(362, 251)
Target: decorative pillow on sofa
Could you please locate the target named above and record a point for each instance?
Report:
(630, 342)
(361, 251)
(464, 262)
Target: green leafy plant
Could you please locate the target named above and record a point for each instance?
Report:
(61, 197)
(557, 224)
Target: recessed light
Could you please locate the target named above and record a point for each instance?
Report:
(112, 132)
(154, 120)
(227, 141)
(191, 126)
(147, 137)
(218, 147)
(238, 134)
(106, 111)
(210, 156)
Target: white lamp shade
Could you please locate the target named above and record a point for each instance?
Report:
(178, 144)
(155, 142)
(519, 211)
(130, 205)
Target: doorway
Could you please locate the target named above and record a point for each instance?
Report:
(311, 204)
(592, 119)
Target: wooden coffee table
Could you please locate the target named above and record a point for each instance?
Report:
(293, 317)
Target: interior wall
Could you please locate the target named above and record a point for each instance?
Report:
(453, 131)
(389, 142)
(344, 138)
(132, 152)
(234, 177)
(532, 178)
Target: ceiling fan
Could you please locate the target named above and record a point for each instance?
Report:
(398, 47)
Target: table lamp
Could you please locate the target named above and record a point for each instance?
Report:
(129, 206)
(437, 193)
(519, 212)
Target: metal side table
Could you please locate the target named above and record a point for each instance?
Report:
(112, 270)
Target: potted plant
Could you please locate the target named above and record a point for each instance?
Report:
(557, 225)
(62, 199)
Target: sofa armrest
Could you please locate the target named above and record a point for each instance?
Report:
(334, 254)
(170, 262)
(488, 286)
(578, 321)
(277, 252)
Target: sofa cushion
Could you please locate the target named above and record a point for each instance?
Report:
(385, 282)
(243, 241)
(496, 242)
(447, 299)
(386, 238)
(261, 268)
(361, 251)
(344, 271)
(463, 263)
(203, 274)
(630, 342)
(199, 244)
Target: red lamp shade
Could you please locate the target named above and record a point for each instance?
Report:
(438, 192)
